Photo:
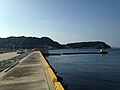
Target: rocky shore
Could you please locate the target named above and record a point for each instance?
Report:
(9, 63)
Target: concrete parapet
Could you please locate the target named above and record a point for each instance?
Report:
(53, 76)
(46, 65)
(57, 85)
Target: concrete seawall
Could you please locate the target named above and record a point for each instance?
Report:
(53, 77)
(77, 53)
(31, 73)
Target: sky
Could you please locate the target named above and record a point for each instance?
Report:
(64, 21)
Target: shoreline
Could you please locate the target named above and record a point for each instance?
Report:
(60, 79)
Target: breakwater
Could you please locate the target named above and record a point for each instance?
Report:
(77, 53)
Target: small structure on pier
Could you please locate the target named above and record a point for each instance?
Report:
(102, 51)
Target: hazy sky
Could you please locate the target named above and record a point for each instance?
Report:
(62, 20)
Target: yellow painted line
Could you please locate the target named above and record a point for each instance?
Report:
(46, 65)
(53, 76)
(58, 86)
(42, 56)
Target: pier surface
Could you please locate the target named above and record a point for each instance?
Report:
(9, 55)
(29, 74)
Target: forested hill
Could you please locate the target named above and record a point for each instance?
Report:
(96, 45)
(33, 42)
(28, 42)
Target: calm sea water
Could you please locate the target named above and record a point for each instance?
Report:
(88, 71)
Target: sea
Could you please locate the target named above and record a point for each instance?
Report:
(88, 71)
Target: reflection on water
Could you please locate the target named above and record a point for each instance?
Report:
(88, 71)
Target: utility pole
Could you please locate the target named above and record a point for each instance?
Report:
(13, 47)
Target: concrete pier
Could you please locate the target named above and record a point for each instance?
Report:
(29, 74)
